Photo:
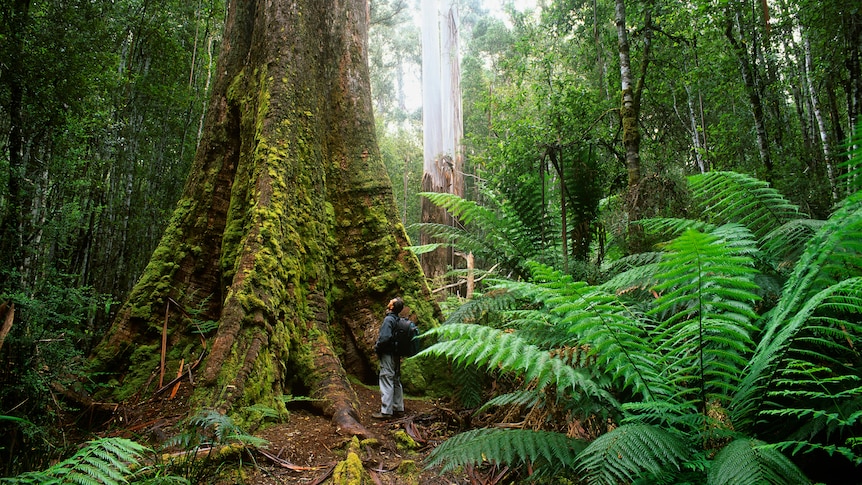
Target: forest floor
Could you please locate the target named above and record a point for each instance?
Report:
(304, 448)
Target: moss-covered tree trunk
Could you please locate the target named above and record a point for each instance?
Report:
(287, 234)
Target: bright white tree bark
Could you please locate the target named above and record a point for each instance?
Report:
(442, 120)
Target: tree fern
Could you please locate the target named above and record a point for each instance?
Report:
(785, 243)
(547, 452)
(469, 384)
(494, 233)
(629, 452)
(526, 398)
(670, 227)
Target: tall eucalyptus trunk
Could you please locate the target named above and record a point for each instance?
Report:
(286, 236)
(443, 167)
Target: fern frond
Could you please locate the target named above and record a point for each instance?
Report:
(494, 349)
(796, 447)
(548, 453)
(776, 345)
(616, 339)
(746, 461)
(829, 268)
(494, 235)
(671, 227)
(103, 461)
(468, 382)
(425, 248)
(725, 197)
(705, 307)
(852, 168)
(526, 398)
(466, 211)
(631, 451)
(494, 302)
(785, 243)
(639, 274)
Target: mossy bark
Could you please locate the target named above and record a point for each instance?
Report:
(287, 234)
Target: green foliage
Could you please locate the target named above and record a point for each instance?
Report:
(705, 309)
(493, 233)
(209, 427)
(469, 383)
(724, 197)
(103, 461)
(494, 349)
(629, 451)
(746, 461)
(549, 453)
(204, 432)
(712, 386)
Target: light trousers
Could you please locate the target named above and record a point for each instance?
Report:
(391, 393)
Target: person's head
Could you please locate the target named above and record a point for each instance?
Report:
(395, 305)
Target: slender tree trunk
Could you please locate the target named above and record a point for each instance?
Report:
(747, 68)
(821, 125)
(555, 154)
(287, 235)
(632, 89)
(696, 143)
(630, 106)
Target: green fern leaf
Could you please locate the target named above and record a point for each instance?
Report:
(525, 398)
(746, 461)
(104, 461)
(631, 451)
(725, 197)
(549, 453)
(705, 307)
(494, 349)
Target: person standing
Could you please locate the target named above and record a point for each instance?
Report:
(391, 392)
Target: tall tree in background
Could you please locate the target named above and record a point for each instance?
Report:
(286, 236)
(442, 122)
(632, 86)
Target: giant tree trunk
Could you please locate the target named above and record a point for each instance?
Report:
(287, 234)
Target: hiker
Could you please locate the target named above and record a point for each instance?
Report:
(391, 393)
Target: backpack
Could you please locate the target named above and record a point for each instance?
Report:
(405, 338)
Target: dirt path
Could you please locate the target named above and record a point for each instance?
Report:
(310, 440)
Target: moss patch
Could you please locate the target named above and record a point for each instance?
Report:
(404, 442)
(351, 471)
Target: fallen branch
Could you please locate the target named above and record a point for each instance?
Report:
(286, 464)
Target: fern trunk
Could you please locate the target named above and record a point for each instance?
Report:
(287, 236)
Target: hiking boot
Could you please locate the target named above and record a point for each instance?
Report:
(381, 416)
